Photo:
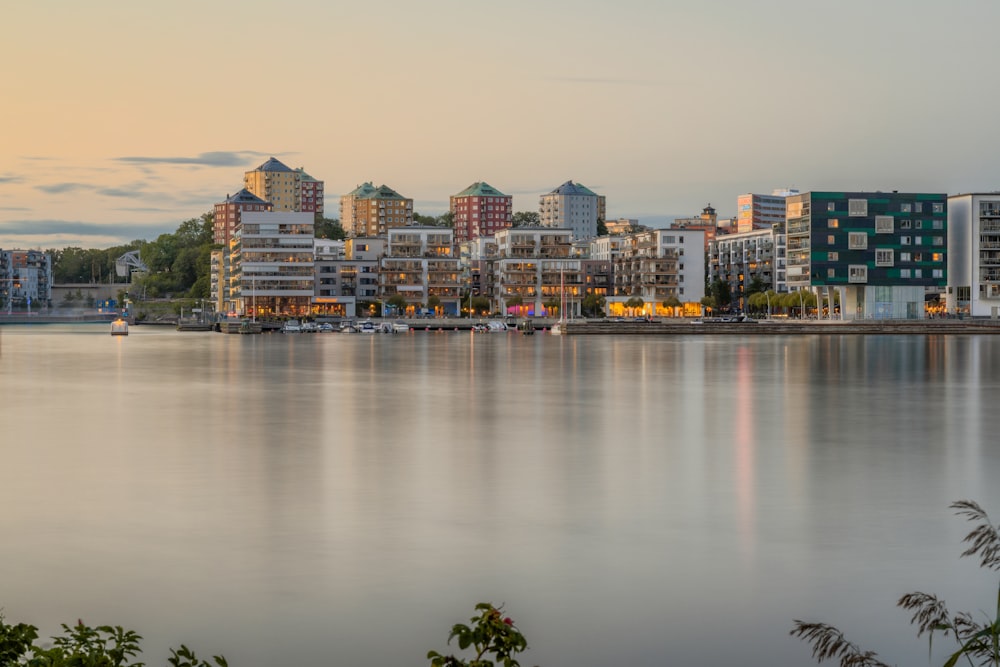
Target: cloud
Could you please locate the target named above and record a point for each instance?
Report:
(10, 179)
(122, 192)
(58, 188)
(107, 232)
(14, 208)
(209, 159)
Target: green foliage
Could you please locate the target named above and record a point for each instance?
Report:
(720, 291)
(978, 642)
(329, 228)
(635, 302)
(593, 305)
(480, 305)
(446, 219)
(525, 219)
(84, 646)
(433, 301)
(756, 286)
(397, 301)
(492, 637)
(602, 228)
(425, 220)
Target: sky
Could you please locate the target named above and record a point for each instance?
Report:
(122, 119)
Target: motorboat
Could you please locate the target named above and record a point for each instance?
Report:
(367, 327)
(400, 327)
(291, 326)
(119, 327)
(526, 327)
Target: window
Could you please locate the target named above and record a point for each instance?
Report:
(904, 240)
(937, 207)
(833, 223)
(905, 208)
(857, 273)
(831, 257)
(937, 273)
(918, 257)
(937, 257)
(918, 207)
(918, 273)
(904, 257)
(918, 224)
(831, 273)
(883, 257)
(904, 273)
(857, 240)
(938, 224)
(938, 240)
(831, 239)
(918, 240)
(905, 223)
(857, 207)
(830, 206)
(883, 224)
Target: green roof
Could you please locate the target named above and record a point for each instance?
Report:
(480, 189)
(381, 192)
(362, 190)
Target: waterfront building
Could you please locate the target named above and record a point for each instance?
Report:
(877, 251)
(219, 281)
(329, 249)
(754, 211)
(621, 226)
(285, 188)
(25, 279)
(272, 264)
(659, 266)
(607, 248)
(345, 287)
(480, 210)
(229, 212)
(738, 259)
(571, 206)
(535, 271)
(420, 266)
(372, 211)
(974, 254)
(365, 248)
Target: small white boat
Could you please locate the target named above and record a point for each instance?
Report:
(557, 328)
(400, 327)
(367, 327)
(292, 326)
(119, 327)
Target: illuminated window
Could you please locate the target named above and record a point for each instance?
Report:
(831, 256)
(857, 240)
(833, 223)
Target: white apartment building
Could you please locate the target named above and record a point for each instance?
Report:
(657, 265)
(571, 206)
(974, 254)
(535, 272)
(272, 264)
(737, 259)
(419, 264)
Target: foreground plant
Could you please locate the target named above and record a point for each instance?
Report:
(493, 638)
(83, 646)
(978, 643)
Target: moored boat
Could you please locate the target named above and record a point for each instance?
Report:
(119, 327)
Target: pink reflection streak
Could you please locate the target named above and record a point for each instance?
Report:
(744, 438)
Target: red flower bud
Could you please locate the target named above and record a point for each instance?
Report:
(508, 621)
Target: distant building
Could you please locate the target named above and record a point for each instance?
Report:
(285, 188)
(755, 211)
(737, 259)
(621, 226)
(974, 254)
(229, 212)
(419, 263)
(271, 264)
(371, 211)
(25, 280)
(707, 222)
(480, 210)
(659, 265)
(534, 272)
(877, 251)
(571, 206)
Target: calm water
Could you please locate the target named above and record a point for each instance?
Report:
(342, 500)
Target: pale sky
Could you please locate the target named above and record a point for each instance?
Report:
(120, 119)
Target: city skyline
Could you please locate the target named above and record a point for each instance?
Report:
(120, 124)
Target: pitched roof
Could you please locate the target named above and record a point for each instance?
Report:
(480, 189)
(381, 192)
(361, 190)
(304, 176)
(273, 164)
(244, 196)
(571, 188)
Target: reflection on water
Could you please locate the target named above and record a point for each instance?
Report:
(333, 499)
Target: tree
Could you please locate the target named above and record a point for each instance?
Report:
(446, 220)
(493, 638)
(328, 228)
(593, 305)
(480, 304)
(978, 642)
(635, 303)
(602, 228)
(756, 286)
(719, 289)
(525, 219)
(425, 220)
(552, 303)
(433, 301)
(709, 302)
(673, 303)
(516, 302)
(398, 302)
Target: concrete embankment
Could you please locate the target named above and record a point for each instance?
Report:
(785, 327)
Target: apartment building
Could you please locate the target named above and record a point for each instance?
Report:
(707, 222)
(535, 272)
(755, 211)
(229, 212)
(480, 210)
(272, 264)
(420, 266)
(372, 211)
(738, 259)
(974, 254)
(285, 188)
(571, 206)
(659, 266)
(25, 280)
(875, 252)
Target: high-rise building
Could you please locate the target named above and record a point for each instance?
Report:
(285, 188)
(877, 251)
(271, 264)
(571, 206)
(760, 211)
(371, 211)
(25, 279)
(974, 254)
(229, 212)
(480, 210)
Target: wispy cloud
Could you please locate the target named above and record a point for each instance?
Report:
(122, 231)
(134, 193)
(59, 188)
(209, 159)
(14, 208)
(10, 179)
